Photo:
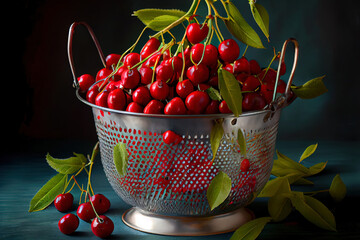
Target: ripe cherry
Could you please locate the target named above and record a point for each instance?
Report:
(197, 101)
(102, 227)
(159, 90)
(245, 165)
(184, 88)
(171, 138)
(154, 107)
(150, 62)
(266, 93)
(214, 81)
(111, 86)
(210, 55)
(91, 94)
(131, 59)
(229, 50)
(228, 67)
(134, 107)
(85, 82)
(150, 46)
(102, 74)
(116, 99)
(64, 202)
(146, 74)
(164, 72)
(212, 108)
(203, 86)
(117, 75)
(253, 101)
(141, 96)
(196, 33)
(101, 99)
(242, 65)
(68, 223)
(112, 59)
(198, 73)
(175, 106)
(100, 202)
(241, 77)
(224, 108)
(130, 78)
(255, 68)
(85, 212)
(176, 63)
(251, 83)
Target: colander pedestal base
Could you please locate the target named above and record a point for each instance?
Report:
(149, 222)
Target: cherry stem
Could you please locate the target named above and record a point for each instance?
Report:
(247, 46)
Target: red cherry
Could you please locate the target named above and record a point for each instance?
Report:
(112, 59)
(119, 72)
(102, 74)
(224, 108)
(241, 77)
(154, 107)
(197, 101)
(196, 33)
(150, 62)
(251, 83)
(282, 68)
(85, 82)
(146, 74)
(141, 96)
(101, 99)
(85, 212)
(210, 55)
(171, 138)
(242, 65)
(255, 68)
(116, 99)
(266, 93)
(187, 59)
(159, 90)
(150, 46)
(229, 50)
(176, 63)
(64, 202)
(102, 227)
(68, 223)
(214, 81)
(212, 108)
(198, 73)
(128, 98)
(203, 86)
(101, 203)
(91, 94)
(228, 67)
(245, 165)
(253, 101)
(176, 106)
(130, 78)
(134, 107)
(111, 86)
(131, 59)
(164, 72)
(184, 88)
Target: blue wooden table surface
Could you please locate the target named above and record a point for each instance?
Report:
(24, 172)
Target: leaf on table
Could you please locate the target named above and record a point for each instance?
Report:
(150, 14)
(230, 91)
(242, 142)
(275, 186)
(311, 89)
(216, 135)
(317, 168)
(279, 206)
(67, 166)
(261, 17)
(250, 230)
(314, 211)
(47, 193)
(302, 181)
(337, 189)
(218, 190)
(308, 152)
(280, 170)
(120, 156)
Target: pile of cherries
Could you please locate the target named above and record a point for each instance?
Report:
(101, 225)
(148, 82)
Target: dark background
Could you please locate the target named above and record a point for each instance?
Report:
(40, 104)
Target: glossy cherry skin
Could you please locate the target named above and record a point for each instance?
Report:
(198, 73)
(131, 59)
(214, 81)
(229, 50)
(228, 67)
(164, 72)
(159, 90)
(64, 202)
(245, 165)
(255, 68)
(197, 101)
(176, 63)
(112, 59)
(253, 101)
(154, 107)
(101, 99)
(175, 106)
(85, 212)
(102, 74)
(171, 138)
(251, 83)
(146, 74)
(91, 94)
(111, 86)
(134, 107)
(116, 99)
(85, 82)
(196, 33)
(150, 46)
(101, 203)
(242, 65)
(141, 95)
(212, 108)
(241, 77)
(68, 223)
(184, 88)
(210, 55)
(130, 78)
(224, 108)
(102, 227)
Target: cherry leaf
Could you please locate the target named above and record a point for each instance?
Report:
(289, 163)
(218, 190)
(67, 166)
(214, 94)
(308, 152)
(261, 17)
(161, 22)
(250, 230)
(275, 186)
(150, 14)
(47, 193)
(279, 206)
(242, 142)
(216, 135)
(120, 156)
(317, 168)
(311, 89)
(337, 189)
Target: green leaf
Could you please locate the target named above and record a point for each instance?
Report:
(218, 190)
(161, 22)
(303, 181)
(261, 17)
(46, 195)
(216, 135)
(230, 91)
(120, 156)
(279, 206)
(311, 89)
(317, 168)
(308, 151)
(280, 170)
(337, 189)
(314, 211)
(289, 163)
(147, 16)
(67, 166)
(214, 94)
(239, 28)
(242, 142)
(250, 230)
(275, 186)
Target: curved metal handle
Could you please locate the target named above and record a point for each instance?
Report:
(69, 48)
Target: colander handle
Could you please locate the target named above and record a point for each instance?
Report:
(70, 52)
(288, 95)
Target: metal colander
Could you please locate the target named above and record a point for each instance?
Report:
(172, 180)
